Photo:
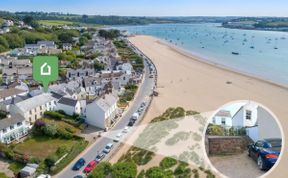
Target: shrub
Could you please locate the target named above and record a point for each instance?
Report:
(168, 162)
(157, 172)
(50, 130)
(62, 133)
(101, 171)
(54, 115)
(51, 160)
(124, 169)
(141, 174)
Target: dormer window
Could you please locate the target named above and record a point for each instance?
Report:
(248, 114)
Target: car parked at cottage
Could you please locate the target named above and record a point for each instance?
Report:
(265, 152)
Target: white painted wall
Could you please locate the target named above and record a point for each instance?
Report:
(95, 116)
(218, 121)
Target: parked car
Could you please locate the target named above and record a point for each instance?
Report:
(91, 165)
(118, 137)
(80, 176)
(44, 176)
(108, 148)
(99, 157)
(126, 129)
(131, 123)
(265, 152)
(81, 162)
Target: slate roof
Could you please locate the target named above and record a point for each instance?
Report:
(7, 122)
(10, 92)
(68, 101)
(34, 102)
(223, 113)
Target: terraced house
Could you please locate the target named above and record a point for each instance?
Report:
(13, 128)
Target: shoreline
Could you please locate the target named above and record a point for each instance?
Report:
(198, 58)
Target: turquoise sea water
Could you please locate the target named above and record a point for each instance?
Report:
(263, 54)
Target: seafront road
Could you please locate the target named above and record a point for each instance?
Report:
(145, 90)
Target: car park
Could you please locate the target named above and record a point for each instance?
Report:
(108, 148)
(265, 152)
(100, 157)
(89, 168)
(81, 162)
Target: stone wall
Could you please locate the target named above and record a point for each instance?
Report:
(225, 145)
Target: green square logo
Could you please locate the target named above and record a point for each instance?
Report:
(45, 70)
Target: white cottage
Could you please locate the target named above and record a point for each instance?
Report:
(69, 106)
(13, 128)
(33, 108)
(246, 116)
(101, 112)
(222, 118)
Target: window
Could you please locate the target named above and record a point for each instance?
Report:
(19, 124)
(4, 130)
(223, 121)
(30, 120)
(41, 113)
(248, 115)
(259, 144)
(11, 127)
(35, 116)
(214, 120)
(30, 111)
(40, 107)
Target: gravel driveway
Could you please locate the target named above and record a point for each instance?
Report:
(236, 166)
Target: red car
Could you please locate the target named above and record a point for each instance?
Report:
(90, 167)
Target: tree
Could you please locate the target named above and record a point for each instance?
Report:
(14, 40)
(3, 44)
(50, 160)
(124, 170)
(101, 171)
(50, 130)
(28, 20)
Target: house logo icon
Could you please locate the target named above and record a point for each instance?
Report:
(45, 69)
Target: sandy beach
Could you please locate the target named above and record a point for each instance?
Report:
(188, 82)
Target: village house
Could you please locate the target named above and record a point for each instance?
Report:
(13, 128)
(33, 108)
(101, 112)
(11, 96)
(82, 72)
(246, 116)
(69, 106)
(42, 47)
(67, 46)
(222, 118)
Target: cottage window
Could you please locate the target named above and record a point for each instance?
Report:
(4, 130)
(223, 121)
(11, 127)
(214, 120)
(248, 115)
(30, 111)
(40, 107)
(19, 124)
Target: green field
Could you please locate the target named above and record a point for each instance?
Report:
(277, 24)
(64, 22)
(55, 22)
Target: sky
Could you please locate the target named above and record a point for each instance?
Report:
(153, 7)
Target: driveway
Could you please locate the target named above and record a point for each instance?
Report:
(236, 166)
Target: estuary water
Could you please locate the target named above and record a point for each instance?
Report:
(263, 54)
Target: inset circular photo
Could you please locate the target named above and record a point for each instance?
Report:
(243, 139)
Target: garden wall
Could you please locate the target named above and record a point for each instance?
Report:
(225, 145)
